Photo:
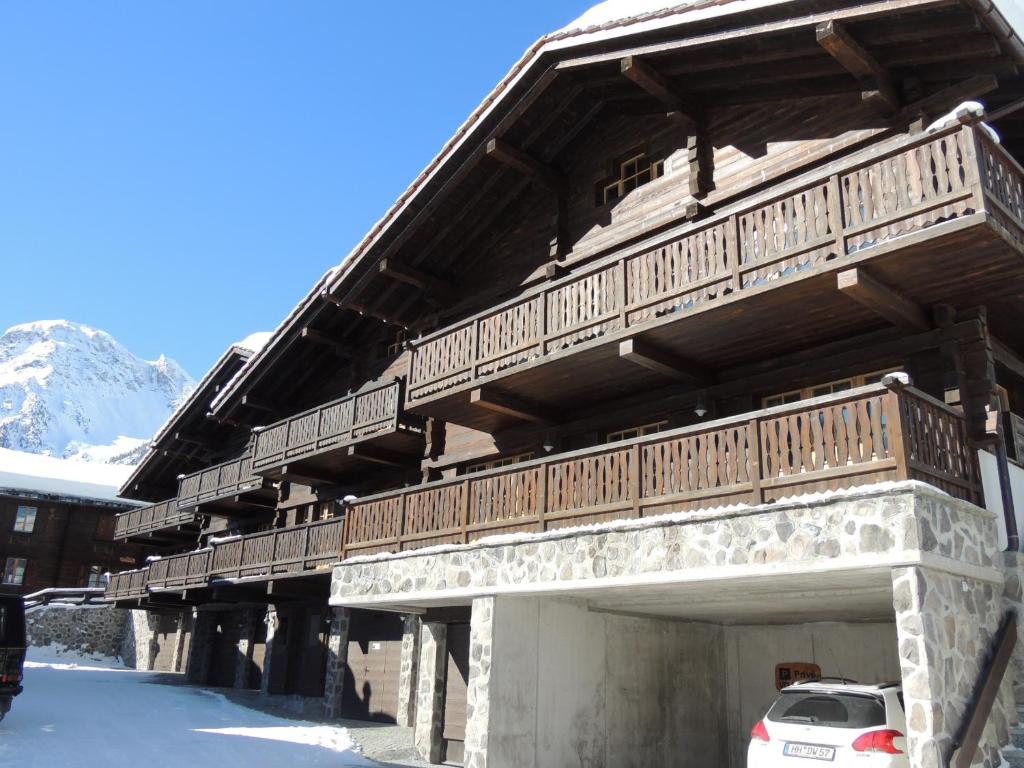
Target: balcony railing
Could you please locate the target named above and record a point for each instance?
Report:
(219, 481)
(862, 436)
(330, 426)
(299, 549)
(865, 201)
(154, 517)
(127, 585)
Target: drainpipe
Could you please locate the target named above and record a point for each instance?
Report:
(1005, 491)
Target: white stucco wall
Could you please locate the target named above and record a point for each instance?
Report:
(865, 652)
(572, 687)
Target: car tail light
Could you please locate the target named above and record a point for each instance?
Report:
(878, 741)
(10, 678)
(760, 732)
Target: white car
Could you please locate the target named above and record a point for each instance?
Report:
(841, 723)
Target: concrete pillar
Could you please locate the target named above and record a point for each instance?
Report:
(268, 652)
(430, 691)
(481, 636)
(337, 662)
(201, 648)
(946, 625)
(407, 671)
(247, 618)
(183, 633)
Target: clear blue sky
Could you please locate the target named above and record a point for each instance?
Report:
(180, 173)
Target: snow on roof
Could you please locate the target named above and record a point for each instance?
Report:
(254, 342)
(46, 475)
(618, 10)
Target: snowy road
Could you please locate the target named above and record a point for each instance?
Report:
(95, 717)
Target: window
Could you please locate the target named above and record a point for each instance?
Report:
(96, 576)
(831, 388)
(634, 171)
(504, 461)
(14, 571)
(25, 520)
(397, 344)
(643, 429)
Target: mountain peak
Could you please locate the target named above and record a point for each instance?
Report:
(70, 390)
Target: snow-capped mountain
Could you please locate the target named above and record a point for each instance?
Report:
(71, 391)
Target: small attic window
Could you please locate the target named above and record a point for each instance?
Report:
(634, 170)
(396, 343)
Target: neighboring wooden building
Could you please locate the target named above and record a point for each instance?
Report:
(666, 267)
(55, 531)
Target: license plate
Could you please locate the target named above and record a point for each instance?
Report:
(813, 751)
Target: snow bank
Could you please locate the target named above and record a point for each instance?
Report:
(34, 473)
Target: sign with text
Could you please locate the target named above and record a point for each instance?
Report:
(789, 672)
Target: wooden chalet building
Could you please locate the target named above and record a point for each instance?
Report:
(697, 350)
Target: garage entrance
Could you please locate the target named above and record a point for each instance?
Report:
(370, 690)
(299, 651)
(224, 655)
(456, 686)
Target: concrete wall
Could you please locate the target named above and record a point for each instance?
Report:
(571, 687)
(866, 652)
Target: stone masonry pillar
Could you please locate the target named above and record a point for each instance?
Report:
(337, 662)
(268, 652)
(201, 648)
(407, 670)
(430, 691)
(184, 630)
(946, 625)
(481, 636)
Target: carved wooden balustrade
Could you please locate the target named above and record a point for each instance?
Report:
(866, 201)
(189, 569)
(866, 435)
(337, 424)
(127, 585)
(307, 547)
(154, 517)
(219, 481)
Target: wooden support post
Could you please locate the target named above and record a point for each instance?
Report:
(754, 454)
(882, 300)
(510, 406)
(879, 90)
(648, 356)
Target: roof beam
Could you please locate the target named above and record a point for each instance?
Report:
(879, 92)
(939, 102)
(259, 405)
(508, 405)
(442, 291)
(377, 455)
(658, 86)
(525, 163)
(653, 358)
(314, 336)
(882, 300)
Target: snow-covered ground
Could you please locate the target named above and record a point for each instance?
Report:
(77, 713)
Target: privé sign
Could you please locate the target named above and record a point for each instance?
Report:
(789, 672)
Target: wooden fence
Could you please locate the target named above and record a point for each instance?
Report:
(866, 435)
(216, 482)
(151, 518)
(863, 201)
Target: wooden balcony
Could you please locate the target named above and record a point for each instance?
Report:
(325, 442)
(283, 552)
(227, 489)
(936, 217)
(863, 436)
(127, 585)
(156, 521)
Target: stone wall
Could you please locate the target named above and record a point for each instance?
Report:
(946, 625)
(91, 630)
(407, 671)
(430, 690)
(879, 527)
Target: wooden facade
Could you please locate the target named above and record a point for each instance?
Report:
(662, 271)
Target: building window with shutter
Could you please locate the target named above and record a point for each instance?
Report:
(96, 576)
(25, 520)
(14, 571)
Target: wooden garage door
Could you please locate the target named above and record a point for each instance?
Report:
(165, 637)
(456, 683)
(374, 660)
(224, 659)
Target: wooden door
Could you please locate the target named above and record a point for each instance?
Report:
(259, 651)
(370, 690)
(310, 654)
(224, 659)
(456, 685)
